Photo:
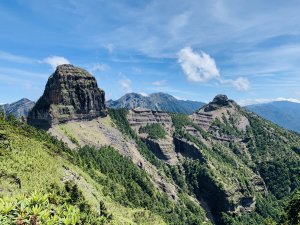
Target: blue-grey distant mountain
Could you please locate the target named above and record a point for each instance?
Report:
(283, 113)
(19, 108)
(155, 101)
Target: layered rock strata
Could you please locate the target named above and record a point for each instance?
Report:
(71, 93)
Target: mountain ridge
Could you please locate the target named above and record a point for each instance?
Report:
(283, 113)
(18, 108)
(155, 101)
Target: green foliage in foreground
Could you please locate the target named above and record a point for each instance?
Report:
(58, 206)
(130, 186)
(154, 131)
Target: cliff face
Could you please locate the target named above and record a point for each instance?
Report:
(162, 148)
(71, 93)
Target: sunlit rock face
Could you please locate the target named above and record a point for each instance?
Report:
(71, 93)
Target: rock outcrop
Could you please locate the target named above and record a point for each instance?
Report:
(141, 117)
(163, 148)
(222, 109)
(71, 93)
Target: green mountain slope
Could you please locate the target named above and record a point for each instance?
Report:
(283, 113)
(43, 173)
(95, 186)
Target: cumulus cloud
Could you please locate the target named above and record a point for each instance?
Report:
(200, 67)
(159, 82)
(245, 102)
(55, 61)
(125, 84)
(197, 67)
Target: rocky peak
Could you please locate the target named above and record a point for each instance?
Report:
(71, 93)
(221, 100)
(218, 102)
(219, 108)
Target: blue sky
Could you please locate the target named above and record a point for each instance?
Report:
(249, 50)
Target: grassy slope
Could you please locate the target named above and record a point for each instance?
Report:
(39, 161)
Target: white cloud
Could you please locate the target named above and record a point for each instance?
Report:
(144, 94)
(159, 82)
(200, 67)
(98, 67)
(55, 61)
(241, 83)
(125, 84)
(15, 58)
(197, 67)
(245, 102)
(179, 98)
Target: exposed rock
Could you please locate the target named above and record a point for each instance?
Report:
(71, 93)
(202, 119)
(163, 148)
(188, 149)
(218, 102)
(141, 117)
(220, 108)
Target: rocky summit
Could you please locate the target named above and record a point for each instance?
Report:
(71, 93)
(218, 102)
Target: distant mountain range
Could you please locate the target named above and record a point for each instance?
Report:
(283, 113)
(156, 101)
(19, 108)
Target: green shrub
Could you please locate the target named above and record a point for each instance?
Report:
(154, 131)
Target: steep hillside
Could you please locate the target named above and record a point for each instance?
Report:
(19, 108)
(220, 165)
(239, 166)
(156, 101)
(40, 178)
(285, 114)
